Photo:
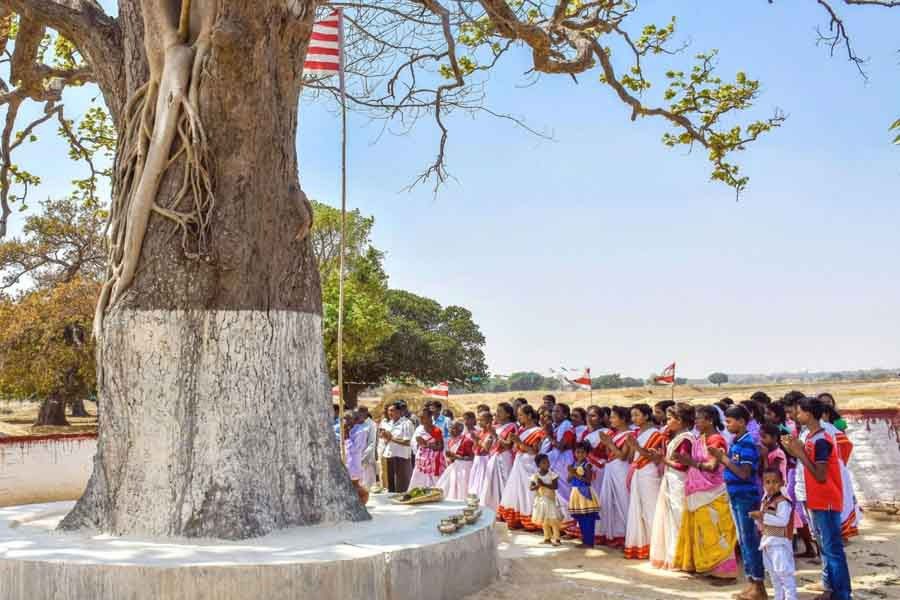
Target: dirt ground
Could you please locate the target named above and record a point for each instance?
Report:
(531, 571)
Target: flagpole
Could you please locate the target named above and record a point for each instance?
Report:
(674, 379)
(340, 340)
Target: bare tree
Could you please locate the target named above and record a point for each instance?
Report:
(211, 369)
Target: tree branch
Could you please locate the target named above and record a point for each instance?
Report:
(884, 3)
(96, 35)
(838, 35)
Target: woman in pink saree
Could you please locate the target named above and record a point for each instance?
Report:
(708, 535)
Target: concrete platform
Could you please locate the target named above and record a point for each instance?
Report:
(399, 555)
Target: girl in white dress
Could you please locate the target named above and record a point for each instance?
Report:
(545, 512)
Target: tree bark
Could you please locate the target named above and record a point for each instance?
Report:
(213, 376)
(52, 412)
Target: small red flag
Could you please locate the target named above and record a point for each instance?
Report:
(441, 391)
(668, 375)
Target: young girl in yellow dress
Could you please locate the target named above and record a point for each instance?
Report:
(583, 504)
(546, 512)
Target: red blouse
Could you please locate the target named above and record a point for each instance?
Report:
(462, 446)
(683, 448)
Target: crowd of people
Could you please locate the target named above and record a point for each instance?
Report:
(698, 489)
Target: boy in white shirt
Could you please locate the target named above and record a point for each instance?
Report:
(775, 517)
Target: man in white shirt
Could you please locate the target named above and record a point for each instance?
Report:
(398, 434)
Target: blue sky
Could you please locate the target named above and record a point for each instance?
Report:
(604, 248)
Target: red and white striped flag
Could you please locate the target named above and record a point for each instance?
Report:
(584, 380)
(668, 375)
(577, 377)
(440, 391)
(324, 55)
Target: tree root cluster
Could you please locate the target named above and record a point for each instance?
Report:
(160, 130)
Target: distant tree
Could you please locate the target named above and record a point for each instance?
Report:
(46, 348)
(367, 320)
(388, 334)
(607, 382)
(45, 275)
(615, 381)
(718, 378)
(550, 383)
(498, 387)
(61, 243)
(428, 343)
(325, 236)
(525, 381)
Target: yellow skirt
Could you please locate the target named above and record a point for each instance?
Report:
(579, 504)
(707, 539)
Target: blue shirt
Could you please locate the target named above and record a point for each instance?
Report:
(443, 423)
(743, 451)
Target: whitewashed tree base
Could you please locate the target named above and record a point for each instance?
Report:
(398, 555)
(214, 423)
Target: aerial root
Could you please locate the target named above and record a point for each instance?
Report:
(155, 138)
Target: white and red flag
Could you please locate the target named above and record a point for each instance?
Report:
(440, 391)
(668, 375)
(584, 380)
(580, 378)
(325, 47)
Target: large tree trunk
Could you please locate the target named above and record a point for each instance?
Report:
(52, 412)
(213, 381)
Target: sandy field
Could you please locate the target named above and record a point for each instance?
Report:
(532, 571)
(849, 394)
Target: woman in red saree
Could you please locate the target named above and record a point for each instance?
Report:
(643, 483)
(460, 452)
(484, 440)
(614, 494)
(501, 457)
(429, 452)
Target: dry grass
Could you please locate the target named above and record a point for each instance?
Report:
(849, 395)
